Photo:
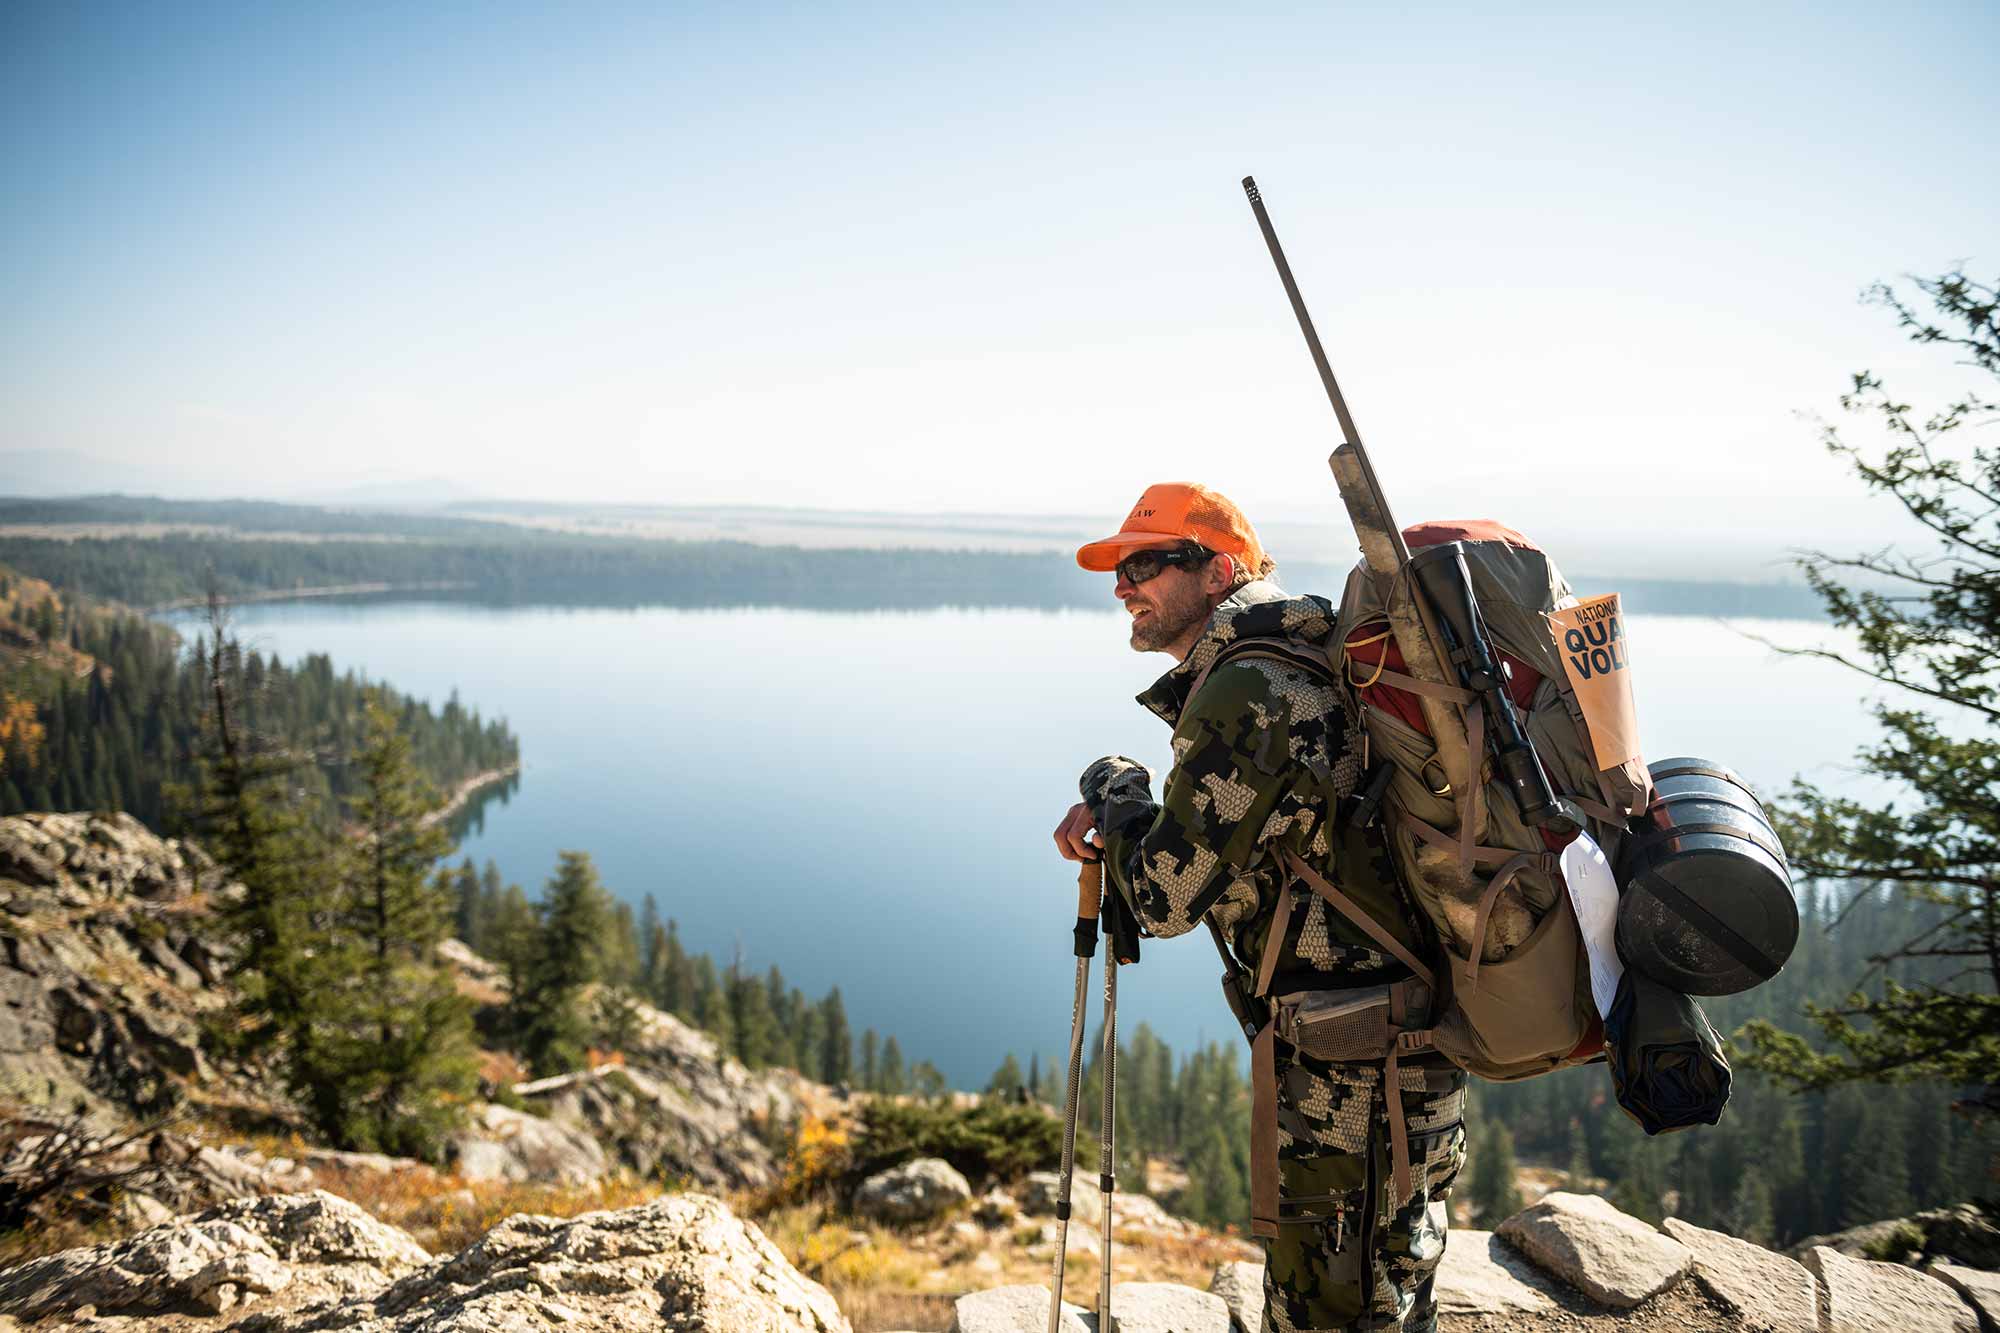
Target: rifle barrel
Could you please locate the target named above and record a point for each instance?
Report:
(1348, 433)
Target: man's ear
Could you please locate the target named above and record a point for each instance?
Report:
(1221, 572)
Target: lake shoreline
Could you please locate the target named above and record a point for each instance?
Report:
(462, 794)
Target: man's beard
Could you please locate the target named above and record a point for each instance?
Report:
(1175, 616)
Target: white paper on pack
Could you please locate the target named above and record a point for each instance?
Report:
(1593, 892)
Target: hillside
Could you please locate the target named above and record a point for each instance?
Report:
(110, 979)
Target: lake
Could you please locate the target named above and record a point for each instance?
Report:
(866, 799)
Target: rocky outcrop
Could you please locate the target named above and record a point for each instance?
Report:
(1240, 1284)
(314, 1263)
(683, 1261)
(678, 1107)
(211, 1262)
(1040, 1192)
(500, 1143)
(1167, 1307)
(1613, 1258)
(1138, 1307)
(1483, 1275)
(1964, 1234)
(1016, 1309)
(104, 973)
(1769, 1292)
(1977, 1287)
(917, 1191)
(1863, 1296)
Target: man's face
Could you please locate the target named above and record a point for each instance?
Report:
(1166, 608)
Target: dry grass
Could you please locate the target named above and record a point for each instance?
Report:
(445, 1213)
(886, 1278)
(873, 1310)
(40, 1238)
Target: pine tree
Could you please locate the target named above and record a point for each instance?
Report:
(1875, 1171)
(1007, 1080)
(649, 934)
(1927, 625)
(836, 1054)
(491, 891)
(750, 1018)
(393, 1052)
(1578, 1174)
(1493, 1190)
(571, 927)
(465, 901)
(892, 1078)
(781, 1045)
(810, 1038)
(711, 1003)
(258, 824)
(871, 1068)
(676, 992)
(618, 945)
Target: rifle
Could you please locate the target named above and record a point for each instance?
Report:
(1430, 601)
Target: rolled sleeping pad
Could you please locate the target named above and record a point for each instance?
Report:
(1705, 904)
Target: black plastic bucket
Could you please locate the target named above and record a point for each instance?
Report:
(1705, 895)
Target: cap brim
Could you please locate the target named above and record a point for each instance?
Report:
(1103, 556)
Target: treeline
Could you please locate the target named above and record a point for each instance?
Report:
(757, 1017)
(241, 516)
(569, 569)
(118, 737)
(504, 563)
(1780, 1166)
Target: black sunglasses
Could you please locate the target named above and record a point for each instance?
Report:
(1140, 566)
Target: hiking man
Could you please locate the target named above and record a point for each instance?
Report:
(1266, 751)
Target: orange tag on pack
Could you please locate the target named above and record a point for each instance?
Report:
(1590, 638)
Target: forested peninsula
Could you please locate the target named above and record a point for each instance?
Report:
(104, 710)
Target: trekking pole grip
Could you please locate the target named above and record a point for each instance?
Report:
(1089, 894)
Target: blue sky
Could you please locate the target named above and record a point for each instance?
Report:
(902, 257)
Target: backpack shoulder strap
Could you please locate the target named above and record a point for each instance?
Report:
(1271, 649)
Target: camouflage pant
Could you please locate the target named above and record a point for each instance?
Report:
(1346, 1257)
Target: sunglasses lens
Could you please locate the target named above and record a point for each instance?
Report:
(1140, 567)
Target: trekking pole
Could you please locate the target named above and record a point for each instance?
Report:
(1107, 1141)
(1089, 890)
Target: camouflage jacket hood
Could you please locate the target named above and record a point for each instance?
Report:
(1257, 610)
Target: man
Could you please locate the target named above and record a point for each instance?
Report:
(1265, 754)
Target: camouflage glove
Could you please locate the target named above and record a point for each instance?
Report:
(1119, 791)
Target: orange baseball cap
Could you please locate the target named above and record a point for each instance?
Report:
(1179, 511)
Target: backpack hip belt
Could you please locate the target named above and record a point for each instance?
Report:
(1380, 1025)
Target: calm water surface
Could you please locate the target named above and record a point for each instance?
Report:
(866, 799)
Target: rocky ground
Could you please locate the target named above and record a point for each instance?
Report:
(555, 1215)
(315, 1263)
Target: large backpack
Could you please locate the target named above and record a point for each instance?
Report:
(1506, 994)
(1517, 998)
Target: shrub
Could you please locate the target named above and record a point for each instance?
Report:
(988, 1143)
(818, 1159)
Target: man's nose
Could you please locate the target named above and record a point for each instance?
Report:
(1122, 588)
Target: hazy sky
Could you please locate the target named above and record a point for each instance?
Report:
(1571, 266)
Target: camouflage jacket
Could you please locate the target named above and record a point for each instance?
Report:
(1263, 756)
